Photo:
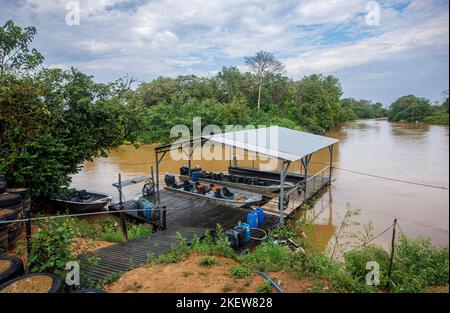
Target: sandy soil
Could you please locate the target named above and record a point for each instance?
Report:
(190, 276)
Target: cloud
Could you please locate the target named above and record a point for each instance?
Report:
(149, 38)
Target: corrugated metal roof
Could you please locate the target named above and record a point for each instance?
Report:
(275, 141)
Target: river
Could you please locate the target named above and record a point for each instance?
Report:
(403, 151)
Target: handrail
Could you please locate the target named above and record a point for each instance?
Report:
(318, 173)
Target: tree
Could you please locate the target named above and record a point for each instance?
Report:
(261, 64)
(409, 108)
(15, 54)
(53, 121)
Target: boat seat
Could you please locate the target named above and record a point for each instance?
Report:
(227, 193)
(84, 195)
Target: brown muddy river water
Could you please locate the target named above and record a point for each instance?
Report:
(416, 153)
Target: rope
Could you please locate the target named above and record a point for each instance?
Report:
(373, 238)
(79, 214)
(387, 178)
(401, 231)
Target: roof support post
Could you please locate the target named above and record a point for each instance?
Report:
(331, 149)
(284, 166)
(305, 162)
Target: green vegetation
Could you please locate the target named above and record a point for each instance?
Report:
(111, 231)
(362, 109)
(207, 261)
(411, 109)
(52, 247)
(239, 271)
(265, 287)
(111, 278)
(51, 120)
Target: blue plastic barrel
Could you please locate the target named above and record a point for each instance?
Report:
(260, 213)
(194, 176)
(247, 231)
(252, 219)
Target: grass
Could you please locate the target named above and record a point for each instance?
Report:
(239, 271)
(111, 278)
(265, 287)
(227, 288)
(207, 261)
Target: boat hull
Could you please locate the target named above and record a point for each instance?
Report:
(98, 203)
(245, 171)
(254, 198)
(256, 188)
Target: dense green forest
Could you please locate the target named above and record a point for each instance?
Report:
(52, 120)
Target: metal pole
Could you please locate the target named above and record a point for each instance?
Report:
(28, 230)
(189, 161)
(305, 165)
(391, 261)
(331, 148)
(157, 170)
(123, 224)
(281, 200)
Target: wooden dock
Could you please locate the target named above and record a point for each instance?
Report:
(123, 257)
(185, 215)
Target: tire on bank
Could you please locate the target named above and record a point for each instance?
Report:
(10, 267)
(33, 283)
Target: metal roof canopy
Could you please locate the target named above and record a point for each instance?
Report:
(277, 142)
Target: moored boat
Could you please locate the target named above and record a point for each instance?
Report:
(214, 192)
(256, 184)
(82, 201)
(247, 171)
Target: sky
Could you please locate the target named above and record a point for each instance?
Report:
(380, 50)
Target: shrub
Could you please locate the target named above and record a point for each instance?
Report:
(265, 287)
(268, 256)
(355, 262)
(207, 261)
(51, 246)
(239, 271)
(177, 253)
(418, 264)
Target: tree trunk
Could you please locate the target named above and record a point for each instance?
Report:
(259, 91)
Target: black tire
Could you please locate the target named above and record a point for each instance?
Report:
(2, 186)
(23, 192)
(57, 285)
(3, 240)
(90, 290)
(7, 215)
(13, 271)
(9, 199)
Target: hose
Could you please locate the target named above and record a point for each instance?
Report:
(278, 288)
(261, 230)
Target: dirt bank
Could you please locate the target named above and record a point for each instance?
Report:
(190, 276)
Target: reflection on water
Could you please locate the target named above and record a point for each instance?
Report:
(404, 151)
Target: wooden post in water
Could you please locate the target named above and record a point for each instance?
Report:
(123, 224)
(391, 260)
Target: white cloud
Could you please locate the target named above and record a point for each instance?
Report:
(153, 38)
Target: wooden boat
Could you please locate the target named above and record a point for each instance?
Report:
(217, 193)
(247, 171)
(261, 185)
(82, 201)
